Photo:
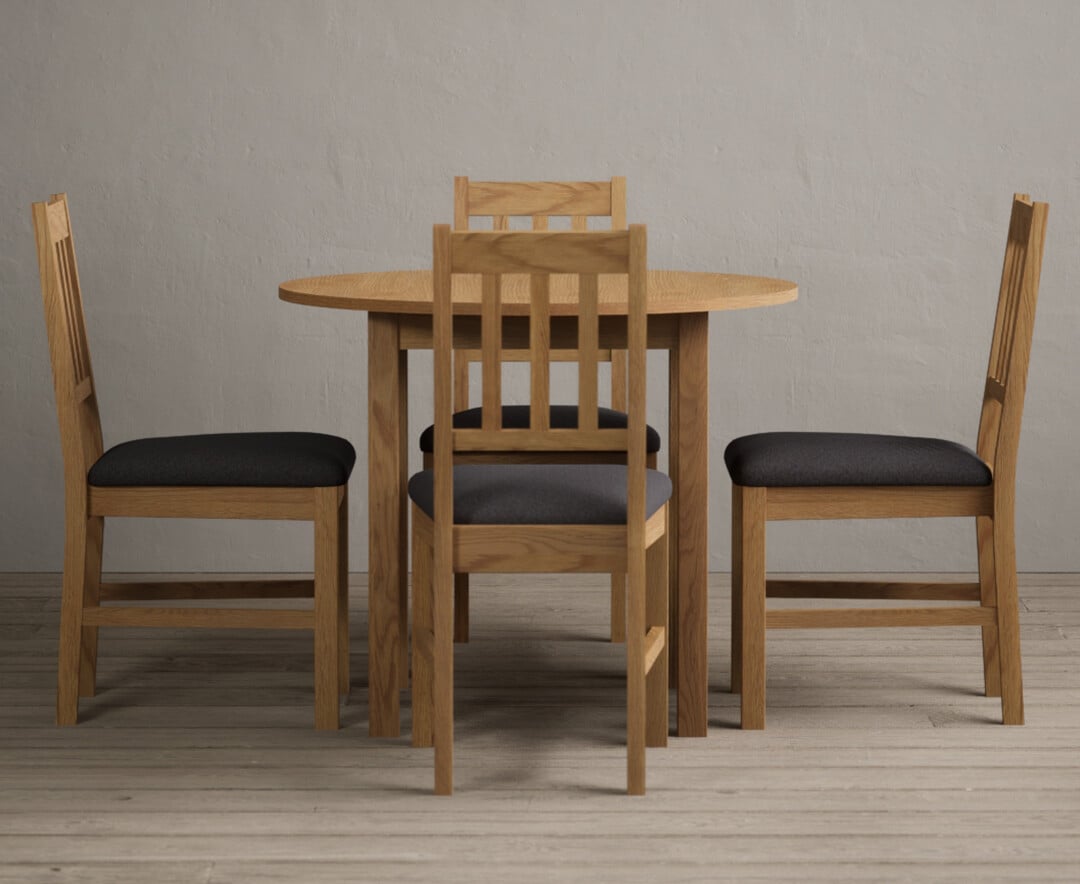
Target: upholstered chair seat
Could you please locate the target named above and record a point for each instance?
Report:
(777, 460)
(540, 494)
(266, 460)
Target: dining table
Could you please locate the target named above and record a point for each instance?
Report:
(399, 307)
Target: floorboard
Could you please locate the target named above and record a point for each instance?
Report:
(882, 761)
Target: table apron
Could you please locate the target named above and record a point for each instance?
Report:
(414, 332)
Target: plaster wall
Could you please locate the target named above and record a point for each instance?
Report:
(866, 150)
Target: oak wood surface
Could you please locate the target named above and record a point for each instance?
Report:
(538, 201)
(992, 505)
(85, 509)
(409, 291)
(456, 548)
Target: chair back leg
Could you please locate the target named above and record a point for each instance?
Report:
(442, 617)
(95, 536)
(984, 529)
(1008, 615)
(73, 653)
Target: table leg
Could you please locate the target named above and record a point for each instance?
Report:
(690, 447)
(385, 519)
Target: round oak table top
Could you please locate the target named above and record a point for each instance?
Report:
(410, 291)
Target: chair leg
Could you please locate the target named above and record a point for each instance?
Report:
(344, 679)
(461, 608)
(984, 529)
(748, 508)
(736, 594)
(1008, 615)
(442, 678)
(656, 614)
(327, 690)
(635, 674)
(95, 531)
(422, 639)
(70, 652)
(618, 607)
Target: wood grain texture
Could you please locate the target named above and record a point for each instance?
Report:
(409, 292)
(202, 503)
(385, 497)
(692, 531)
(537, 197)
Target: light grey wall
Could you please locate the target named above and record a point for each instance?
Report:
(867, 150)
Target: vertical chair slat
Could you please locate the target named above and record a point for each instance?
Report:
(461, 203)
(618, 203)
(461, 380)
(540, 345)
(588, 337)
(491, 351)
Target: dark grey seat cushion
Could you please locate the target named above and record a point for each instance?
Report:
(294, 460)
(818, 459)
(563, 417)
(540, 494)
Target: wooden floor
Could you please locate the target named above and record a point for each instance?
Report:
(197, 762)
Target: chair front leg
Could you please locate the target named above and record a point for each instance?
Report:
(748, 514)
(327, 595)
(442, 617)
(636, 715)
(344, 677)
(736, 592)
(618, 607)
(422, 640)
(656, 615)
(461, 608)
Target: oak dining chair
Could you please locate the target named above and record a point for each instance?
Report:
(540, 201)
(781, 476)
(539, 517)
(290, 476)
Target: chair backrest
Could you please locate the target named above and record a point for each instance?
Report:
(539, 200)
(73, 378)
(1010, 352)
(539, 254)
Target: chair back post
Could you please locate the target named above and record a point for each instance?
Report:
(73, 377)
(1010, 351)
(539, 200)
(637, 318)
(442, 344)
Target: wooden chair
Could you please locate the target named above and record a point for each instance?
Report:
(539, 201)
(539, 517)
(297, 476)
(781, 476)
